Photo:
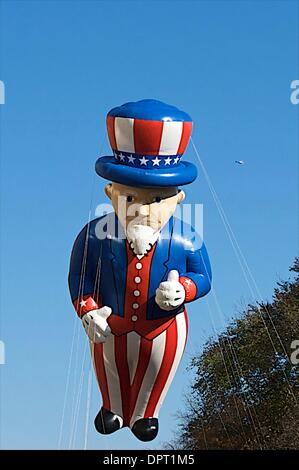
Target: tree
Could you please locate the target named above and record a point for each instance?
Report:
(245, 394)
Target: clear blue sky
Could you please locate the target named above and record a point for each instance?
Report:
(229, 64)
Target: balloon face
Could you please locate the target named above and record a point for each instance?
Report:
(144, 206)
(130, 288)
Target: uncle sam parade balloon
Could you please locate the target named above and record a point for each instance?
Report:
(134, 270)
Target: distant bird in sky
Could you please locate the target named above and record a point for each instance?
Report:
(240, 162)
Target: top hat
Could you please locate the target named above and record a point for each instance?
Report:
(148, 139)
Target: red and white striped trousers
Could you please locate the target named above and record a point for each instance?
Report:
(134, 373)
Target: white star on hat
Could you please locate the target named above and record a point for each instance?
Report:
(121, 157)
(143, 161)
(156, 161)
(167, 161)
(83, 303)
(176, 159)
(131, 159)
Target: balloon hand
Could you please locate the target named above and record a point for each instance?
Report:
(96, 325)
(171, 293)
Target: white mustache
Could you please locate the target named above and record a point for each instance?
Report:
(143, 220)
(139, 231)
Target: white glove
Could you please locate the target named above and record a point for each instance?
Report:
(95, 324)
(170, 294)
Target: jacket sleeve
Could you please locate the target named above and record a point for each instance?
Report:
(198, 277)
(83, 273)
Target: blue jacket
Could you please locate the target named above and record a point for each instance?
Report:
(99, 264)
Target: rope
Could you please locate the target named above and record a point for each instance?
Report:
(222, 350)
(78, 387)
(88, 403)
(218, 413)
(76, 340)
(77, 407)
(244, 403)
(242, 260)
(67, 383)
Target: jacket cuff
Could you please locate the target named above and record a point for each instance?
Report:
(85, 304)
(190, 288)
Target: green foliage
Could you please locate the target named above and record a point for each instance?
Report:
(245, 394)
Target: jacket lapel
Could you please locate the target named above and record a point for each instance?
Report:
(162, 257)
(117, 255)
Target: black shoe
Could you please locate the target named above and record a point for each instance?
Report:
(106, 422)
(146, 429)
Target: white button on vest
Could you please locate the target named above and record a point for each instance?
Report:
(135, 306)
(134, 318)
(137, 279)
(136, 293)
(138, 265)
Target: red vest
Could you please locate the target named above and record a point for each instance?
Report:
(136, 295)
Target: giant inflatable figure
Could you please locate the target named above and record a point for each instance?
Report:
(133, 271)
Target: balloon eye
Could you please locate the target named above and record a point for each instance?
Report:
(158, 199)
(129, 198)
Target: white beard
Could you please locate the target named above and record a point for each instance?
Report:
(141, 238)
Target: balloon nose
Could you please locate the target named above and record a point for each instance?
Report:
(144, 210)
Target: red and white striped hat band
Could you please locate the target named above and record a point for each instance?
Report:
(146, 143)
